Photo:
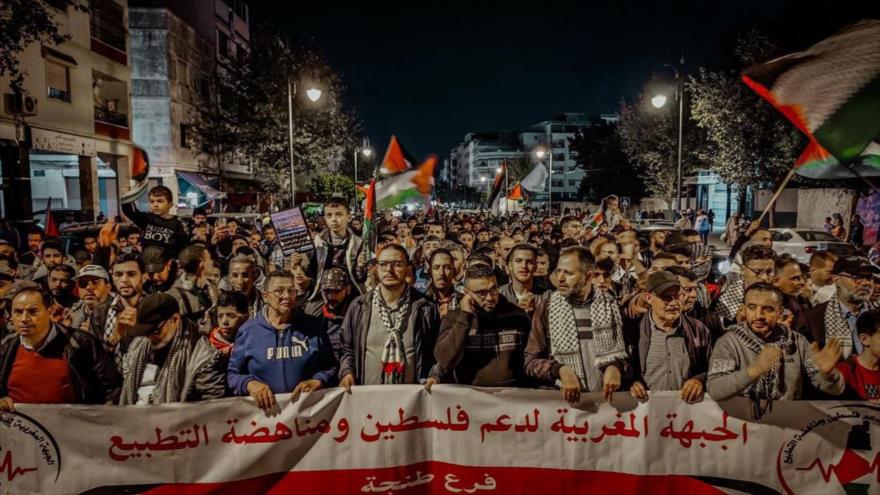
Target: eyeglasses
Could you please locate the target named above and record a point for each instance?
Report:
(397, 265)
(482, 294)
(668, 298)
(768, 272)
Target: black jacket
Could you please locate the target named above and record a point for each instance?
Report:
(697, 341)
(423, 321)
(93, 374)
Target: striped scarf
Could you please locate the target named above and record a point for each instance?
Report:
(394, 351)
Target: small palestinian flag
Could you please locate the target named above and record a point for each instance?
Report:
(410, 186)
(831, 93)
(369, 230)
(397, 159)
(516, 194)
(596, 221)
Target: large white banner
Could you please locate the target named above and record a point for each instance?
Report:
(403, 440)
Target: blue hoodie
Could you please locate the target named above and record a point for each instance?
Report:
(281, 358)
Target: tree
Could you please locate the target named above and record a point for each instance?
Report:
(326, 185)
(752, 144)
(248, 118)
(649, 137)
(23, 22)
(607, 167)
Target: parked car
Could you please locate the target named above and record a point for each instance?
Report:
(802, 243)
(652, 224)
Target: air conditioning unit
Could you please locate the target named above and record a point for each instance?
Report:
(18, 104)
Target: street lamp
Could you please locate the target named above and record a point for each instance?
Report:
(658, 101)
(314, 94)
(540, 152)
(368, 152)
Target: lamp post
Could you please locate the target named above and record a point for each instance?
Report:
(658, 101)
(314, 94)
(368, 152)
(540, 152)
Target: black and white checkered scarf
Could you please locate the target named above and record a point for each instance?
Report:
(394, 351)
(169, 379)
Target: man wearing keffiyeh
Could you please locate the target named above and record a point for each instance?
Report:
(765, 361)
(388, 333)
(758, 266)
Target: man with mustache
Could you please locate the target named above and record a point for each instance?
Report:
(790, 280)
(836, 319)
(758, 265)
(521, 265)
(670, 351)
(94, 288)
(113, 318)
(765, 361)
(576, 338)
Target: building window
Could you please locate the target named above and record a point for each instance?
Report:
(223, 44)
(241, 10)
(185, 131)
(107, 23)
(58, 81)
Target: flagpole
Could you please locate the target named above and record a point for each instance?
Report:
(777, 193)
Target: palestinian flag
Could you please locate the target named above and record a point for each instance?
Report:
(51, 228)
(496, 188)
(596, 221)
(516, 194)
(410, 186)
(831, 93)
(369, 231)
(139, 172)
(397, 159)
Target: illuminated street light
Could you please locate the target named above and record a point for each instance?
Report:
(314, 94)
(658, 101)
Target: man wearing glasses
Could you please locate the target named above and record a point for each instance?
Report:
(389, 333)
(281, 350)
(670, 351)
(481, 343)
(167, 359)
(836, 319)
(759, 265)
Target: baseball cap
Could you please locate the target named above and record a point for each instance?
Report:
(96, 271)
(154, 258)
(334, 279)
(662, 280)
(154, 310)
(854, 265)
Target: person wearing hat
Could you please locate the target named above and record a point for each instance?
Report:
(94, 288)
(44, 362)
(670, 351)
(336, 295)
(836, 319)
(167, 360)
(160, 268)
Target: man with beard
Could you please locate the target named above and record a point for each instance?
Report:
(481, 343)
(836, 319)
(160, 269)
(521, 265)
(168, 360)
(35, 238)
(765, 361)
(790, 281)
(94, 288)
(670, 351)
(113, 318)
(576, 337)
(389, 333)
(422, 277)
(282, 350)
(60, 284)
(336, 295)
(338, 246)
(52, 255)
(759, 265)
(242, 278)
(655, 246)
(441, 291)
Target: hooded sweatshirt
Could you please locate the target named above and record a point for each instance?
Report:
(281, 358)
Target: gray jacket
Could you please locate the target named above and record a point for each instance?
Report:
(352, 252)
(730, 359)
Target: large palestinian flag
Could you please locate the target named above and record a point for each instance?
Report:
(411, 186)
(396, 159)
(831, 92)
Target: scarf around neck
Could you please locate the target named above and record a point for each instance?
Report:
(394, 351)
(169, 379)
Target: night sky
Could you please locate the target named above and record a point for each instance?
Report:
(430, 72)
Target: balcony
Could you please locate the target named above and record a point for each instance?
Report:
(108, 33)
(111, 106)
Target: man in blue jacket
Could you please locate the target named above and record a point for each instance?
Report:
(280, 350)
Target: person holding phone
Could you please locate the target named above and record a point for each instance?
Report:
(481, 343)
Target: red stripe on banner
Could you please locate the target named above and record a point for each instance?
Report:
(443, 478)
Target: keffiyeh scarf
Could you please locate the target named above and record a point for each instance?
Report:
(169, 379)
(731, 299)
(394, 351)
(702, 269)
(565, 344)
(771, 385)
(836, 326)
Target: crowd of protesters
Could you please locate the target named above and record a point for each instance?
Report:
(172, 311)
